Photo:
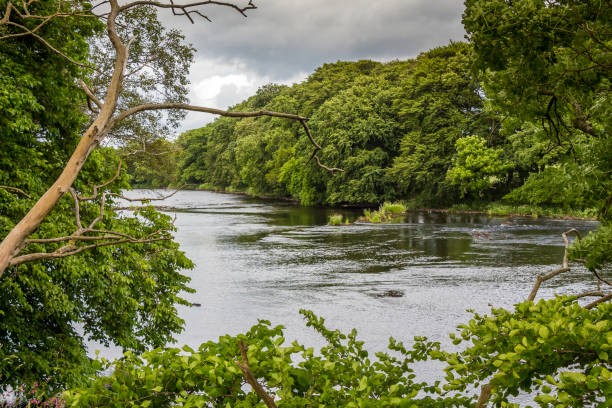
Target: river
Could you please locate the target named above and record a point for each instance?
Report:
(260, 259)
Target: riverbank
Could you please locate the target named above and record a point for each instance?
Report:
(505, 210)
(495, 209)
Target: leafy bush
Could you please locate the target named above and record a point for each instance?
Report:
(385, 213)
(554, 348)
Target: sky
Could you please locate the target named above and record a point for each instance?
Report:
(283, 41)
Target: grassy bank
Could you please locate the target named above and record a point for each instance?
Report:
(387, 212)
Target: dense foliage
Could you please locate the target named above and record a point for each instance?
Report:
(123, 295)
(391, 127)
(547, 66)
(553, 348)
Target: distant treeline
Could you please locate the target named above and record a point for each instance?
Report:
(421, 130)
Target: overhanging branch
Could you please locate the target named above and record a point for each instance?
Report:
(182, 106)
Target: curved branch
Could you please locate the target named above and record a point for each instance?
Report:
(15, 189)
(598, 301)
(193, 108)
(96, 188)
(27, 31)
(70, 249)
(231, 114)
(141, 199)
(90, 94)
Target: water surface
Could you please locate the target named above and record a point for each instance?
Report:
(262, 259)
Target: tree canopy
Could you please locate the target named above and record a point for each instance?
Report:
(121, 295)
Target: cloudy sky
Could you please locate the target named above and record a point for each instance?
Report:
(283, 41)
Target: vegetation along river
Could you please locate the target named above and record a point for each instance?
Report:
(259, 259)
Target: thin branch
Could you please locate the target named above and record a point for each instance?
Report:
(70, 250)
(544, 278)
(598, 276)
(114, 235)
(589, 294)
(564, 235)
(250, 378)
(27, 31)
(184, 8)
(77, 209)
(151, 199)
(15, 189)
(96, 188)
(485, 395)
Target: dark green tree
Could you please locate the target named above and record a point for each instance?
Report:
(547, 67)
(440, 103)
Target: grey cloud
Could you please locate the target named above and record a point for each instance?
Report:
(283, 37)
(229, 94)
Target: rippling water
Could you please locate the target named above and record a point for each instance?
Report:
(261, 259)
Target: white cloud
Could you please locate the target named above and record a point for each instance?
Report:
(220, 84)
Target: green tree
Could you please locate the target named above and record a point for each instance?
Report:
(438, 104)
(547, 66)
(73, 267)
(476, 167)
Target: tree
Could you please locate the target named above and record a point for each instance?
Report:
(439, 104)
(73, 265)
(547, 66)
(135, 38)
(476, 167)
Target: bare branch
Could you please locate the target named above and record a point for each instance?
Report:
(70, 250)
(15, 189)
(330, 169)
(544, 278)
(96, 188)
(141, 199)
(77, 209)
(564, 235)
(485, 395)
(250, 378)
(185, 9)
(588, 294)
(598, 276)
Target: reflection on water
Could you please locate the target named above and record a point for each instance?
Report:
(257, 259)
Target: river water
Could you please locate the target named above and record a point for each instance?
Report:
(265, 260)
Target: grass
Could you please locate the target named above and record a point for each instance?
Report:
(393, 208)
(385, 213)
(335, 219)
(502, 209)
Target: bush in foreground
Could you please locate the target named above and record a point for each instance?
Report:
(554, 349)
